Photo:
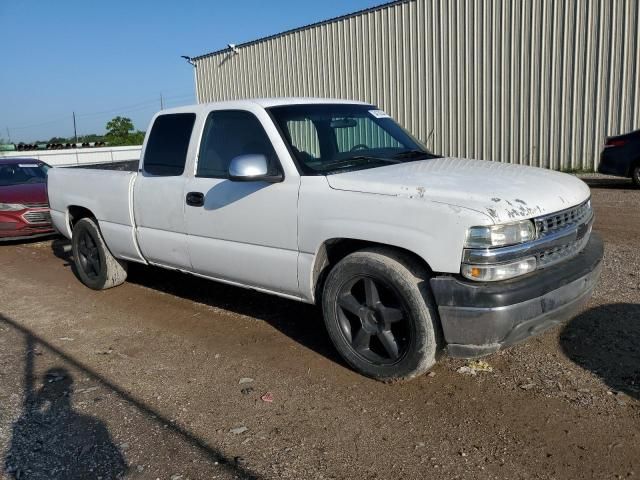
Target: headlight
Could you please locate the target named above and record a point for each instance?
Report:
(500, 271)
(500, 235)
(11, 207)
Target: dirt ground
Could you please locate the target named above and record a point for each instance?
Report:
(144, 381)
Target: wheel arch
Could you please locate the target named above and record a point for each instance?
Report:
(333, 250)
(76, 213)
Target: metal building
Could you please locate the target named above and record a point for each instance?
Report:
(537, 82)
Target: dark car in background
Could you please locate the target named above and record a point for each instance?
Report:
(24, 206)
(621, 156)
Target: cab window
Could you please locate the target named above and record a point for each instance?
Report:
(166, 151)
(228, 134)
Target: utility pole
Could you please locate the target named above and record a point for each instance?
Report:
(8, 135)
(161, 102)
(75, 132)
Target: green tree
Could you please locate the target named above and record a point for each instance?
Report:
(119, 127)
(120, 132)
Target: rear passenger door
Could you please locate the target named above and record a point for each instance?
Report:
(245, 232)
(158, 197)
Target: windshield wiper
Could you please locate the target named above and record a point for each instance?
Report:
(350, 160)
(414, 154)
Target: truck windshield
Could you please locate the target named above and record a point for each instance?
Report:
(19, 173)
(333, 138)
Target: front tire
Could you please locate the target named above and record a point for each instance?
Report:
(635, 174)
(95, 266)
(380, 316)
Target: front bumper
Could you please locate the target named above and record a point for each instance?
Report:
(480, 318)
(17, 225)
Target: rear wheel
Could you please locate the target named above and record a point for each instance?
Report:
(380, 316)
(95, 266)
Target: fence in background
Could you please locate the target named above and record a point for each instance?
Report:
(79, 156)
(534, 82)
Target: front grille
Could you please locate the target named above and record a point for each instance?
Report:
(554, 255)
(41, 216)
(36, 205)
(578, 219)
(566, 218)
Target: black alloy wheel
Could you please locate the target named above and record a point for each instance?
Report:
(380, 315)
(373, 320)
(94, 264)
(88, 255)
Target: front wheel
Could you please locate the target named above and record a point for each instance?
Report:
(95, 266)
(380, 316)
(635, 175)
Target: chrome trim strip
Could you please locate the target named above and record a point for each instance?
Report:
(37, 217)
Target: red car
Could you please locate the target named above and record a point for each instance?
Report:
(24, 206)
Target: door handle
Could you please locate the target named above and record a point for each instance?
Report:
(195, 199)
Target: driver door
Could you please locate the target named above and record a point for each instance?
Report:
(243, 232)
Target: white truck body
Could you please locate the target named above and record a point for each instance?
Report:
(268, 237)
(272, 236)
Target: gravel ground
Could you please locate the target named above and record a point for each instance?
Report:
(164, 377)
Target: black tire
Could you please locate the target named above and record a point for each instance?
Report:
(396, 348)
(95, 266)
(635, 174)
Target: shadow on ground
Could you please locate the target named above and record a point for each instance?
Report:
(26, 241)
(300, 322)
(606, 341)
(610, 183)
(51, 441)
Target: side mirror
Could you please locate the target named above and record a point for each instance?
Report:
(251, 168)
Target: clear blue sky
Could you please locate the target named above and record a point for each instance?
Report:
(102, 59)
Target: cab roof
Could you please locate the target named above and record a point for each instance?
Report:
(264, 103)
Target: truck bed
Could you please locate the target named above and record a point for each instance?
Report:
(106, 194)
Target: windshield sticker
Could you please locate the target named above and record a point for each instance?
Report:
(379, 114)
(28, 165)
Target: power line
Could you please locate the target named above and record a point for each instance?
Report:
(118, 109)
(57, 120)
(135, 107)
(150, 104)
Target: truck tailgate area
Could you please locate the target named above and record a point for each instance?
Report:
(107, 194)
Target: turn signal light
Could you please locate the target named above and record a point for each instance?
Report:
(500, 271)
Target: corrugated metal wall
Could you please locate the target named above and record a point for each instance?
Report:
(525, 81)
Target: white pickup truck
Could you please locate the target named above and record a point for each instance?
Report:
(331, 202)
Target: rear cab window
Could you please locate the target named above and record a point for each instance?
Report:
(166, 151)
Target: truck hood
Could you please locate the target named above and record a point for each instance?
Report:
(24, 193)
(503, 191)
